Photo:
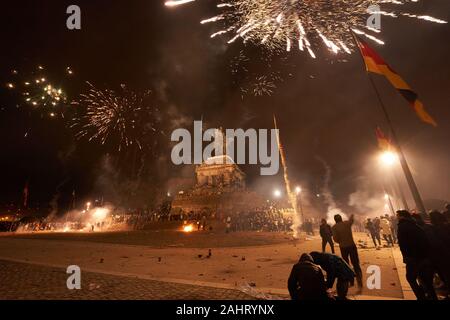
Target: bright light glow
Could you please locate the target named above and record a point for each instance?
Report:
(100, 214)
(298, 190)
(188, 228)
(388, 158)
(277, 193)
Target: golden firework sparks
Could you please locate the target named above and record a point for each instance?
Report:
(279, 24)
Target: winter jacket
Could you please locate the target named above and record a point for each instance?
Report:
(334, 266)
(325, 231)
(370, 226)
(342, 233)
(306, 281)
(386, 227)
(412, 241)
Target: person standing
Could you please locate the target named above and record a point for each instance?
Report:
(327, 235)
(440, 230)
(387, 231)
(343, 235)
(377, 225)
(415, 249)
(393, 221)
(306, 281)
(336, 268)
(373, 233)
(446, 213)
(204, 222)
(228, 224)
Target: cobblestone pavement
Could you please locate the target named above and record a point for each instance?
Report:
(20, 281)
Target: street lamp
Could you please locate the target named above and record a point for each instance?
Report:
(277, 194)
(388, 158)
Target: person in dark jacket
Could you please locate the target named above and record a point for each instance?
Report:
(373, 233)
(394, 223)
(446, 213)
(327, 235)
(441, 233)
(415, 249)
(336, 268)
(306, 281)
(441, 226)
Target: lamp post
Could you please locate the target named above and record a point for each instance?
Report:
(389, 201)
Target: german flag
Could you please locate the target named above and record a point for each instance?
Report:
(376, 64)
(383, 142)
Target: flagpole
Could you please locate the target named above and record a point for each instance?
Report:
(400, 190)
(389, 201)
(406, 170)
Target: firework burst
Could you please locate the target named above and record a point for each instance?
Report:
(265, 84)
(124, 118)
(261, 75)
(38, 91)
(302, 24)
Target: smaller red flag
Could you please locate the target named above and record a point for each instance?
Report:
(383, 142)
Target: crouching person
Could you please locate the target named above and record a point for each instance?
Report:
(336, 268)
(306, 281)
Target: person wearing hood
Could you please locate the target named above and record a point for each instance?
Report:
(306, 281)
(336, 268)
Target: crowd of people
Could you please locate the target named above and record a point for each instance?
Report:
(260, 220)
(385, 226)
(307, 280)
(424, 241)
(426, 251)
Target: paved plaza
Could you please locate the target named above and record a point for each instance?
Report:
(163, 266)
(20, 281)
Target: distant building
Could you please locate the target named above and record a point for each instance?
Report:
(220, 172)
(220, 191)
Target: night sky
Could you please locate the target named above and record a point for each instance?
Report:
(325, 107)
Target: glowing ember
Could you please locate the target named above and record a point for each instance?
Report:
(188, 228)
